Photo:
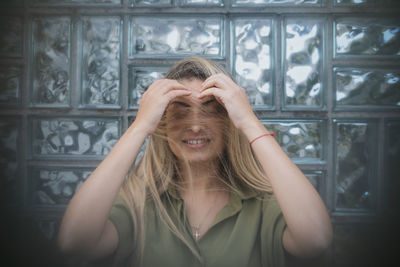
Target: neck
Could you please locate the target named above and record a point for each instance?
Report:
(200, 176)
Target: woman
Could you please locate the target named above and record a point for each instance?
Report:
(212, 189)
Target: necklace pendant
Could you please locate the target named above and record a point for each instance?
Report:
(196, 233)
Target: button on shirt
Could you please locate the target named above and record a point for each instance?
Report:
(247, 232)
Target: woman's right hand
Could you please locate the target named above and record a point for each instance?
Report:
(154, 102)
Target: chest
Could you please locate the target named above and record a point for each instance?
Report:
(232, 241)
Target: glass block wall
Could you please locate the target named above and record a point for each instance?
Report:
(323, 74)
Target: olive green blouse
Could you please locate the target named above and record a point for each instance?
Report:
(247, 232)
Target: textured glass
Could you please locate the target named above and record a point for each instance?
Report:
(154, 3)
(274, 2)
(48, 227)
(11, 32)
(10, 85)
(366, 2)
(77, 2)
(140, 78)
(354, 166)
(362, 37)
(201, 2)
(51, 61)
(56, 186)
(8, 159)
(360, 87)
(176, 37)
(73, 137)
(253, 40)
(100, 60)
(303, 63)
(315, 178)
(356, 2)
(301, 140)
(392, 166)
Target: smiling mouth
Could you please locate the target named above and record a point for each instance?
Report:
(196, 141)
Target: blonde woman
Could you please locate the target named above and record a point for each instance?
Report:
(213, 188)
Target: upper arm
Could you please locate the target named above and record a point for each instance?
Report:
(108, 242)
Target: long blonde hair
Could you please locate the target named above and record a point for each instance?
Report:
(158, 169)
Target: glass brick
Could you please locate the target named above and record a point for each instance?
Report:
(140, 78)
(366, 2)
(355, 2)
(51, 61)
(355, 166)
(152, 3)
(303, 141)
(48, 226)
(367, 37)
(73, 137)
(253, 67)
(314, 177)
(101, 61)
(8, 159)
(77, 2)
(10, 85)
(274, 2)
(55, 186)
(392, 166)
(357, 87)
(317, 179)
(153, 37)
(303, 64)
(200, 3)
(11, 30)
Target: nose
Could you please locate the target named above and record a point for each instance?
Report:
(195, 127)
(196, 120)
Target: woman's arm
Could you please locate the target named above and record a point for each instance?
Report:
(309, 230)
(85, 229)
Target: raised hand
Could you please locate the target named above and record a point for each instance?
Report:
(154, 102)
(231, 96)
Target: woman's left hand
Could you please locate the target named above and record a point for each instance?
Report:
(231, 96)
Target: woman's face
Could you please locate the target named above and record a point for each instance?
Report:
(195, 126)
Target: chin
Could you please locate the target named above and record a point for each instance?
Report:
(201, 158)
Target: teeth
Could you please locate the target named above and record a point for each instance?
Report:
(195, 142)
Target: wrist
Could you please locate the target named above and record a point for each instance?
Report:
(138, 130)
(254, 129)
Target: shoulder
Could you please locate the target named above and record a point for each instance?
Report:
(269, 201)
(265, 199)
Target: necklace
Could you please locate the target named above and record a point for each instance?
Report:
(196, 229)
(196, 232)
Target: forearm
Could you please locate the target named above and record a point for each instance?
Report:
(88, 210)
(306, 216)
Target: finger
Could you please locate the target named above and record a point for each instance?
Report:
(176, 93)
(174, 85)
(162, 86)
(215, 92)
(219, 81)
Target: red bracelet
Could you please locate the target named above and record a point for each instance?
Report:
(267, 134)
